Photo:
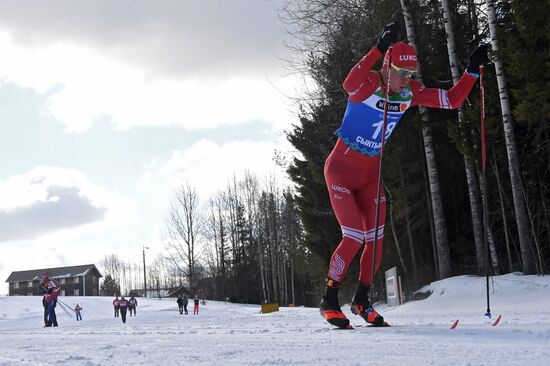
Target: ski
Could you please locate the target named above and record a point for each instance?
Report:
(497, 320)
(454, 325)
(349, 327)
(493, 324)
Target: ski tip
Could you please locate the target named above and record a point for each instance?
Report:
(455, 323)
(497, 320)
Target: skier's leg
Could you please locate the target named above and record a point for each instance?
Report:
(367, 203)
(360, 304)
(46, 322)
(341, 173)
(338, 173)
(52, 319)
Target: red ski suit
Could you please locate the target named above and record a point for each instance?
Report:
(351, 170)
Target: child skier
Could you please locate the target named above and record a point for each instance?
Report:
(77, 310)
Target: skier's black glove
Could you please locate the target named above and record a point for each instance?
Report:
(477, 58)
(388, 36)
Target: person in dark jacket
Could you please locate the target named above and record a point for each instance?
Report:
(123, 306)
(180, 304)
(132, 304)
(185, 302)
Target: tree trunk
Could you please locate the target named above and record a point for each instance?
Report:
(473, 186)
(513, 161)
(443, 267)
(503, 213)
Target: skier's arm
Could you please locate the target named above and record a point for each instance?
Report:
(361, 81)
(441, 98)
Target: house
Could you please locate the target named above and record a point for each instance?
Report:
(177, 291)
(74, 281)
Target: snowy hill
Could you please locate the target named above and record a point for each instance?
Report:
(232, 334)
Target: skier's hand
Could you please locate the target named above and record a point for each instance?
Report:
(477, 58)
(389, 35)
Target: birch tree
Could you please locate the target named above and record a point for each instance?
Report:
(440, 226)
(520, 209)
(471, 176)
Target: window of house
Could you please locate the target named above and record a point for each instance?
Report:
(62, 292)
(16, 285)
(29, 284)
(61, 281)
(76, 292)
(94, 280)
(77, 279)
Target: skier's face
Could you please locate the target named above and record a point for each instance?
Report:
(400, 78)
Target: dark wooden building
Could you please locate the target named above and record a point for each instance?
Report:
(178, 291)
(74, 281)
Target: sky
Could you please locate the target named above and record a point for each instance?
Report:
(107, 106)
(237, 334)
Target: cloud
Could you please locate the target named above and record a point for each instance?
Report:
(83, 84)
(208, 166)
(172, 38)
(46, 200)
(63, 209)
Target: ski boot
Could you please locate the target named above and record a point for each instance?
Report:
(330, 308)
(360, 305)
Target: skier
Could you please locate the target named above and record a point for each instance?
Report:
(180, 304)
(77, 309)
(123, 306)
(351, 170)
(50, 288)
(132, 304)
(196, 307)
(116, 306)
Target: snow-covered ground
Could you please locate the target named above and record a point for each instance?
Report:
(231, 334)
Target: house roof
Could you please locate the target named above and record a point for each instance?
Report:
(58, 272)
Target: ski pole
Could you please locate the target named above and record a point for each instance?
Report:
(65, 304)
(484, 187)
(378, 189)
(65, 309)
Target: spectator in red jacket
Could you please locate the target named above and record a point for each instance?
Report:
(196, 308)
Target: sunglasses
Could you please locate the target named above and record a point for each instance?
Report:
(403, 73)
